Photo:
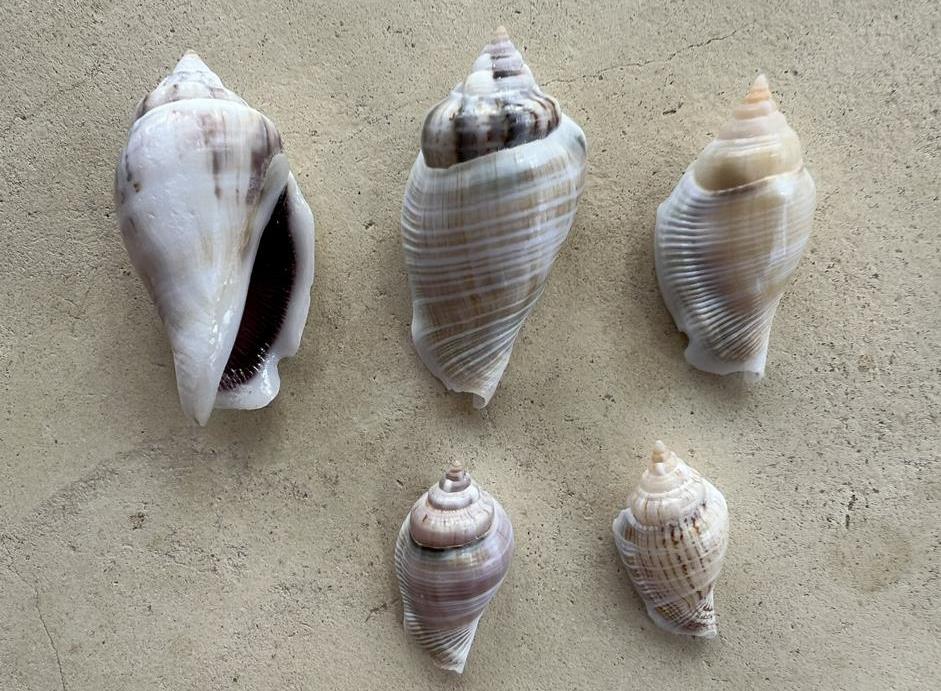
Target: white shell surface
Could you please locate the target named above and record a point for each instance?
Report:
(446, 591)
(725, 250)
(480, 238)
(201, 182)
(672, 539)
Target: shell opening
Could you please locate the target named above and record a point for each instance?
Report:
(269, 295)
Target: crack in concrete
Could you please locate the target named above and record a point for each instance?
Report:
(42, 619)
(644, 63)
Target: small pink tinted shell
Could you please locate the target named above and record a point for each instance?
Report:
(451, 556)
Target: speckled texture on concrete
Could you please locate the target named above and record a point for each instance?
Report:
(139, 552)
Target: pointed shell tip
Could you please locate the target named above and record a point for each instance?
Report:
(660, 452)
(659, 463)
(455, 470)
(190, 61)
(759, 90)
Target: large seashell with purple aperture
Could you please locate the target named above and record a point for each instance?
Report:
(216, 226)
(451, 557)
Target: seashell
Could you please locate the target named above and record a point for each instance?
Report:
(731, 234)
(451, 557)
(672, 538)
(216, 226)
(488, 205)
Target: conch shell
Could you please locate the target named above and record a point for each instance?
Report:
(672, 539)
(451, 557)
(216, 226)
(488, 205)
(731, 234)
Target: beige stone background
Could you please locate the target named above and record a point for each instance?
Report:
(140, 552)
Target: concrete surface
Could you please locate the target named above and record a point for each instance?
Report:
(138, 552)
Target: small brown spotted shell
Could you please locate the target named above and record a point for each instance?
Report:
(672, 539)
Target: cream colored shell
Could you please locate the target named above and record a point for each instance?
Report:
(451, 557)
(672, 539)
(730, 236)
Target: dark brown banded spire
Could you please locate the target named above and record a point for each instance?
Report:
(497, 107)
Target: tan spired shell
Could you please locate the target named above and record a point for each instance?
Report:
(672, 539)
(488, 204)
(730, 236)
(451, 557)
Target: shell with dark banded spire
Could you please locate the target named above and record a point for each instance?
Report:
(497, 107)
(217, 228)
(672, 539)
(730, 236)
(451, 557)
(488, 205)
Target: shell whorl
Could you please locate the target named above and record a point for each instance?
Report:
(451, 556)
(498, 106)
(488, 205)
(190, 79)
(672, 539)
(479, 242)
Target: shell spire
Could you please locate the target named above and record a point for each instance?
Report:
(730, 236)
(759, 90)
(451, 556)
(498, 106)
(660, 455)
(672, 539)
(754, 144)
(191, 78)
